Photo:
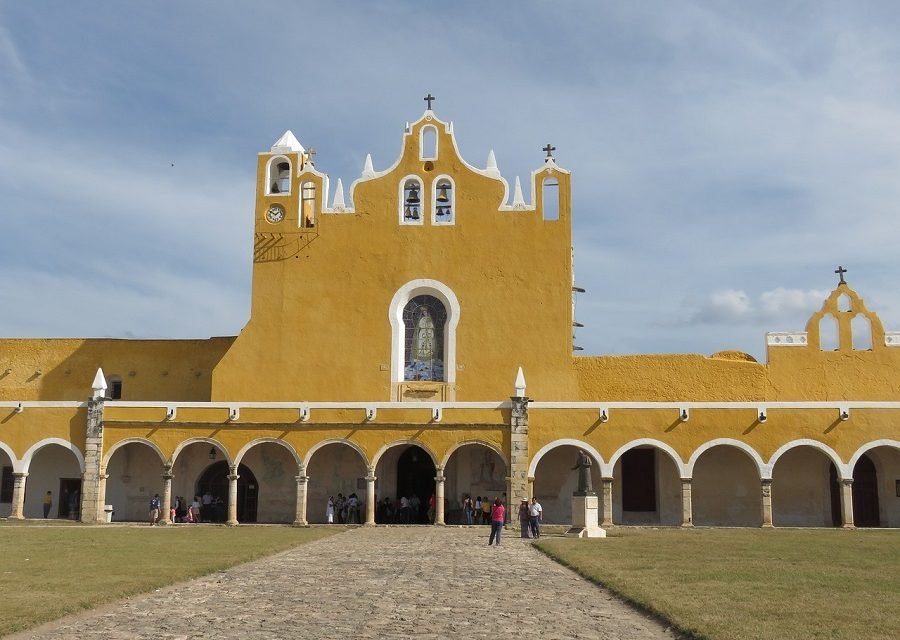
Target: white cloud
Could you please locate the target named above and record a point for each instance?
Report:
(772, 308)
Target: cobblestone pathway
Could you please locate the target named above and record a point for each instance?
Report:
(396, 582)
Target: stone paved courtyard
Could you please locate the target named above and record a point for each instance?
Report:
(375, 582)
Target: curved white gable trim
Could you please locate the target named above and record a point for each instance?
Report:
(815, 444)
(126, 441)
(210, 441)
(429, 117)
(726, 442)
(460, 445)
(258, 441)
(12, 456)
(325, 443)
(26, 459)
(562, 443)
(682, 470)
(396, 443)
(413, 288)
(868, 447)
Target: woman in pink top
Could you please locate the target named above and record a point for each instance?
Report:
(498, 515)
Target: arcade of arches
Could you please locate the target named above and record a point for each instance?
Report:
(646, 484)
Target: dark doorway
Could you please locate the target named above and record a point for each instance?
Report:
(415, 476)
(865, 494)
(69, 498)
(215, 481)
(835, 484)
(639, 480)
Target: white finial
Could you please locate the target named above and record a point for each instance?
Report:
(406, 128)
(520, 384)
(368, 170)
(492, 164)
(518, 200)
(99, 385)
(338, 203)
(287, 142)
(450, 127)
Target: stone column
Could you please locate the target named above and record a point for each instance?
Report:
(166, 515)
(847, 503)
(232, 497)
(370, 497)
(101, 514)
(302, 484)
(687, 515)
(18, 497)
(766, 489)
(439, 496)
(91, 495)
(607, 502)
(517, 487)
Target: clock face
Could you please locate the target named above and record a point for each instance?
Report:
(275, 213)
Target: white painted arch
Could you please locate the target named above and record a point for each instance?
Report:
(815, 444)
(727, 442)
(397, 443)
(868, 447)
(640, 442)
(240, 454)
(127, 441)
(562, 442)
(26, 459)
(460, 445)
(12, 456)
(210, 441)
(422, 287)
(325, 443)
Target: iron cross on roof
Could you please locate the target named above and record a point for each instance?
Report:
(429, 99)
(310, 153)
(841, 271)
(549, 149)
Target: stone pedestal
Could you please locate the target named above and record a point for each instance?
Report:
(585, 515)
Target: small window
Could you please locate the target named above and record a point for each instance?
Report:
(828, 333)
(444, 204)
(843, 303)
(550, 198)
(308, 205)
(861, 330)
(114, 392)
(279, 178)
(411, 203)
(6, 485)
(428, 149)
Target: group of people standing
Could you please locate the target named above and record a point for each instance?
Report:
(201, 508)
(343, 510)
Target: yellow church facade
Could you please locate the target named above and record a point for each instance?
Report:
(416, 339)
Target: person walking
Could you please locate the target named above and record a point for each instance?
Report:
(329, 511)
(48, 503)
(536, 514)
(154, 509)
(498, 515)
(467, 509)
(524, 519)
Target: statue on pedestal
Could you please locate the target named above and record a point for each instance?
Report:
(583, 464)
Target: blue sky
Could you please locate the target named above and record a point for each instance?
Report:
(726, 156)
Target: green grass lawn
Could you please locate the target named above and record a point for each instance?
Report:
(747, 584)
(47, 572)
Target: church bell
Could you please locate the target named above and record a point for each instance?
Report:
(413, 197)
(442, 194)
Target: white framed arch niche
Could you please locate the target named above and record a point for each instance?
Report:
(424, 315)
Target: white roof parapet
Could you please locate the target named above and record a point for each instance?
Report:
(491, 167)
(892, 338)
(99, 385)
(338, 202)
(368, 169)
(520, 383)
(786, 339)
(518, 198)
(287, 142)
